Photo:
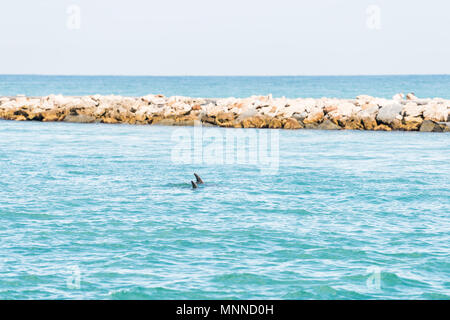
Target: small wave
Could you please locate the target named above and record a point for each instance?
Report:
(328, 292)
(141, 293)
(158, 293)
(392, 280)
(435, 296)
(241, 279)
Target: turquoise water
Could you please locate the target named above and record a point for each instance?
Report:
(424, 86)
(102, 211)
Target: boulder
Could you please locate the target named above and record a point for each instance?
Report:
(329, 109)
(369, 123)
(213, 110)
(300, 116)
(382, 127)
(207, 119)
(20, 117)
(411, 96)
(109, 120)
(141, 115)
(255, 122)
(164, 122)
(291, 123)
(430, 126)
(154, 99)
(79, 118)
(328, 125)
(445, 126)
(315, 116)
(389, 114)
(312, 126)
(188, 120)
(363, 99)
(275, 123)
(412, 123)
(345, 109)
(247, 113)
(225, 119)
(412, 109)
(354, 123)
(298, 105)
(435, 112)
(398, 97)
(368, 117)
(370, 106)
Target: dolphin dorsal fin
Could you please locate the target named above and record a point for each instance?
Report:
(199, 180)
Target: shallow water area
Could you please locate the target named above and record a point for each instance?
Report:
(96, 211)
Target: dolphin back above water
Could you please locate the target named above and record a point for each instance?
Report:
(198, 181)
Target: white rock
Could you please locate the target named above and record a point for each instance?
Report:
(345, 109)
(389, 113)
(398, 97)
(436, 112)
(411, 96)
(411, 109)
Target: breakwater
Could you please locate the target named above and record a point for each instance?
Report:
(362, 113)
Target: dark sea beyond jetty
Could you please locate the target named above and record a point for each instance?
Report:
(347, 87)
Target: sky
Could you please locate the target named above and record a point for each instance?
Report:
(232, 37)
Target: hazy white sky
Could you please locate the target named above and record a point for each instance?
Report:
(228, 37)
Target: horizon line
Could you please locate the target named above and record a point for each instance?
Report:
(223, 75)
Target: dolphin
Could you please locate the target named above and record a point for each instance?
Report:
(199, 180)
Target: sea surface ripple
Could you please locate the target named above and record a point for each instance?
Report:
(107, 205)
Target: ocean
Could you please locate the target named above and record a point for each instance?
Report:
(99, 211)
(424, 86)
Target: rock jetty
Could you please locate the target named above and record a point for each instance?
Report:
(362, 113)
